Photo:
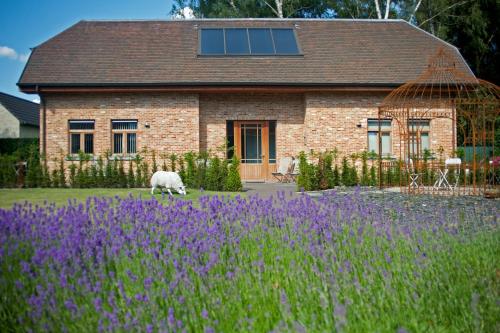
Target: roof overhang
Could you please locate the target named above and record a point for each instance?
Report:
(223, 87)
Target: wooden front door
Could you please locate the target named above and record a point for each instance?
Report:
(252, 148)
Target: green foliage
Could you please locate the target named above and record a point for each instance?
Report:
(321, 173)
(72, 175)
(8, 176)
(336, 176)
(233, 180)
(329, 172)
(130, 175)
(145, 174)
(365, 177)
(190, 170)
(138, 171)
(182, 169)
(201, 172)
(34, 168)
(154, 167)
(122, 176)
(100, 173)
(111, 172)
(373, 176)
(214, 180)
(93, 175)
(20, 147)
(305, 180)
(173, 161)
(346, 173)
(62, 173)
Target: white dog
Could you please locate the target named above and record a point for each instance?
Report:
(168, 180)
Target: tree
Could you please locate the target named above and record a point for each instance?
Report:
(249, 8)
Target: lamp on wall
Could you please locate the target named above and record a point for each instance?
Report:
(146, 125)
(358, 125)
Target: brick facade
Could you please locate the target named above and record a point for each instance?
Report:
(287, 109)
(181, 122)
(173, 120)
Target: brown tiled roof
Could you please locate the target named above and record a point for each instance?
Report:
(334, 52)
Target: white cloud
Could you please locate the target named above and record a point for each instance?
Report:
(23, 57)
(10, 53)
(36, 100)
(185, 13)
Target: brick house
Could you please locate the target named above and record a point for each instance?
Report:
(270, 87)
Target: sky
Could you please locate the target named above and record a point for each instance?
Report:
(27, 23)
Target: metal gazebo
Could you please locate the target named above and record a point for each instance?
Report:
(464, 111)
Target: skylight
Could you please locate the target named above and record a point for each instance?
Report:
(248, 41)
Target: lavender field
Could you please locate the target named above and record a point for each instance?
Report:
(346, 263)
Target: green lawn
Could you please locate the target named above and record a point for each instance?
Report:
(61, 195)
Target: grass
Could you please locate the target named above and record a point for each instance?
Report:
(60, 196)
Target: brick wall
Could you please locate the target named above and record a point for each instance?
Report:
(287, 109)
(173, 120)
(185, 122)
(339, 120)
(332, 120)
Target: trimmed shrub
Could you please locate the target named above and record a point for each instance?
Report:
(373, 176)
(182, 169)
(130, 175)
(190, 170)
(154, 167)
(233, 181)
(346, 172)
(213, 179)
(122, 177)
(365, 178)
(173, 160)
(304, 180)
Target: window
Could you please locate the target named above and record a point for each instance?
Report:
(248, 41)
(124, 135)
(230, 139)
(385, 136)
(272, 141)
(419, 136)
(251, 143)
(81, 136)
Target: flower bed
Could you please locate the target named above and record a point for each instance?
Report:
(342, 262)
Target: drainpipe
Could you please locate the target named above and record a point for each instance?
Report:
(44, 121)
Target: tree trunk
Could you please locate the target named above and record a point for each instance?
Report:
(387, 8)
(279, 7)
(415, 11)
(377, 7)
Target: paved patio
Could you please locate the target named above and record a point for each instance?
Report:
(267, 189)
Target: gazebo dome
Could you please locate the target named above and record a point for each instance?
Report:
(441, 86)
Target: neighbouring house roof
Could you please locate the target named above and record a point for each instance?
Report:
(333, 52)
(25, 111)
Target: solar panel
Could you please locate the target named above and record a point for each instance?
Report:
(261, 41)
(246, 41)
(237, 41)
(212, 41)
(284, 41)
